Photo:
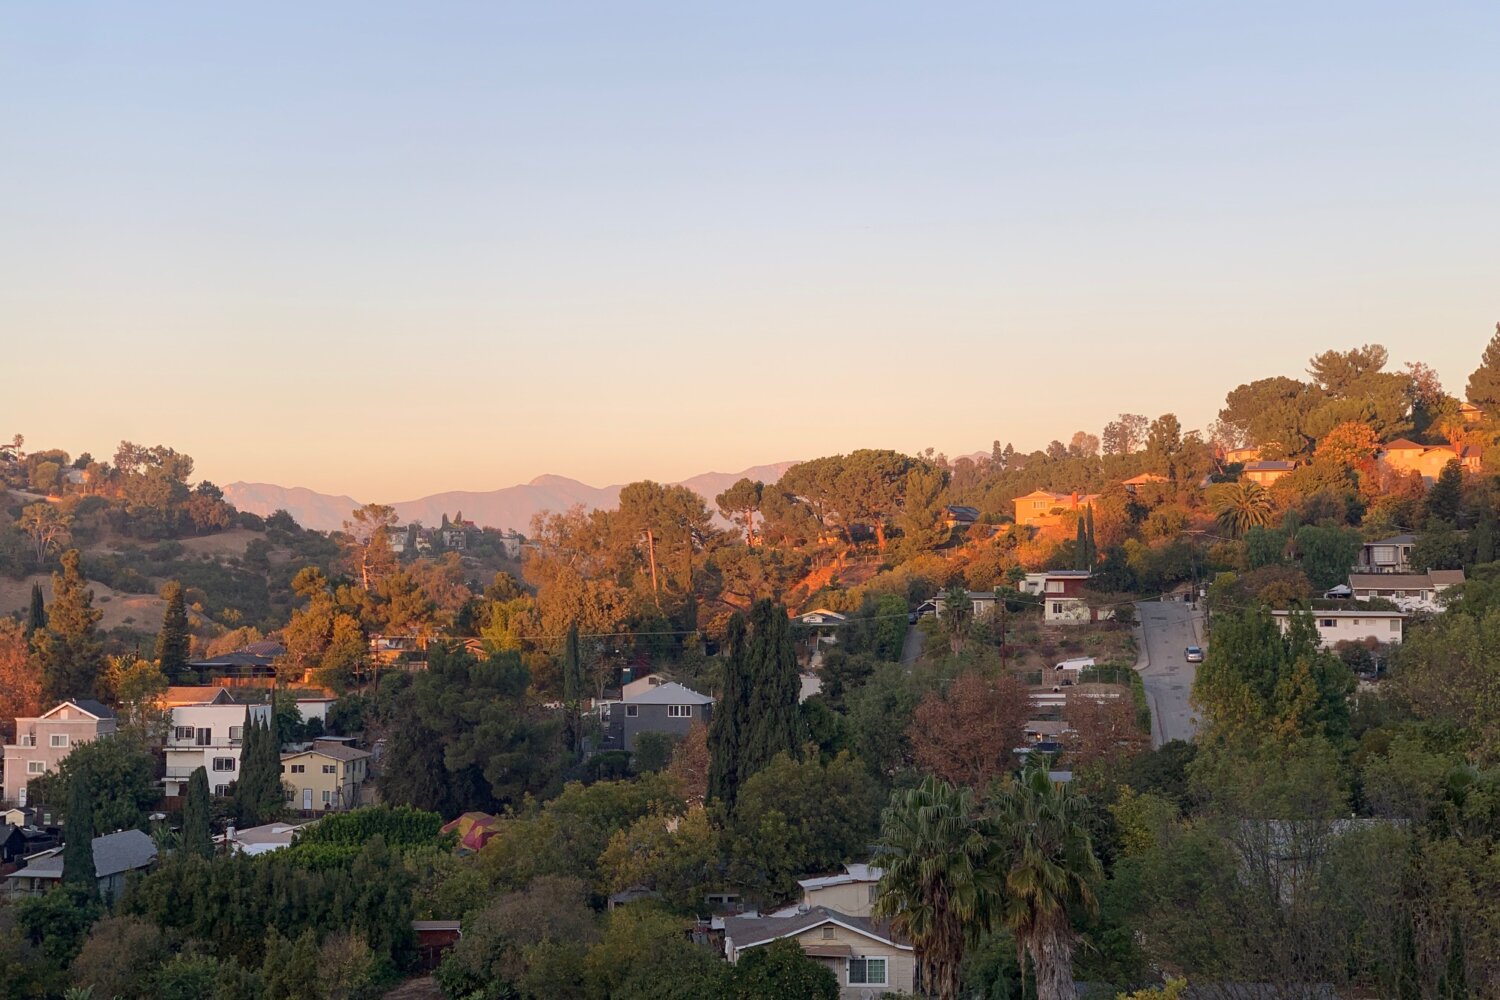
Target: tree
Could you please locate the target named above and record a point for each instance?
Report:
(780, 969)
(36, 615)
(1241, 506)
(137, 688)
(1348, 446)
(964, 735)
(118, 776)
(1126, 435)
(1483, 389)
(677, 856)
(78, 848)
(740, 503)
(941, 887)
(1083, 445)
(775, 685)
(196, 836)
(47, 525)
(68, 649)
(1445, 500)
(119, 958)
(1327, 553)
(173, 643)
(20, 683)
(572, 684)
(258, 795)
(957, 617)
(690, 764)
(1050, 872)
(1338, 371)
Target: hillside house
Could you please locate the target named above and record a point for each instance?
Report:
(44, 740)
(1134, 483)
(1408, 591)
(866, 955)
(1389, 555)
(1264, 472)
(1469, 413)
(1334, 627)
(1044, 508)
(1061, 592)
(957, 516)
(116, 855)
(852, 891)
(209, 736)
(329, 776)
(1241, 456)
(1403, 455)
(255, 662)
(666, 708)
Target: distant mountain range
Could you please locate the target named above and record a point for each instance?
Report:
(508, 508)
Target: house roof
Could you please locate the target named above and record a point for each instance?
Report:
(962, 512)
(1406, 581)
(822, 613)
(1344, 613)
(1042, 495)
(333, 751)
(669, 694)
(196, 694)
(1404, 444)
(113, 853)
(1270, 465)
(86, 705)
(851, 875)
(1446, 577)
(1395, 540)
(255, 654)
(1144, 478)
(749, 932)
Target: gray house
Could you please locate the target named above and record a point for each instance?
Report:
(115, 856)
(667, 708)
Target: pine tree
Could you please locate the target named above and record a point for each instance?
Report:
(257, 794)
(731, 718)
(1081, 547)
(1484, 384)
(68, 649)
(572, 679)
(1093, 545)
(173, 642)
(196, 838)
(1446, 498)
(1482, 540)
(775, 684)
(78, 849)
(36, 617)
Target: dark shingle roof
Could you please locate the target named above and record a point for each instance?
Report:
(94, 708)
(748, 931)
(113, 853)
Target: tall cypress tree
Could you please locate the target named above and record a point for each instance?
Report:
(69, 648)
(775, 683)
(78, 848)
(572, 678)
(196, 838)
(1081, 547)
(1093, 545)
(730, 720)
(36, 617)
(257, 793)
(173, 642)
(1445, 500)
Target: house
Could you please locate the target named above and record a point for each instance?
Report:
(1408, 591)
(1241, 456)
(434, 939)
(1334, 627)
(822, 616)
(18, 816)
(43, 741)
(981, 604)
(207, 736)
(956, 515)
(1061, 591)
(328, 776)
(196, 694)
(866, 955)
(261, 839)
(315, 707)
(852, 891)
(1389, 555)
(1470, 413)
(254, 661)
(1144, 479)
(1043, 507)
(665, 708)
(642, 684)
(1403, 455)
(1265, 472)
(17, 842)
(116, 855)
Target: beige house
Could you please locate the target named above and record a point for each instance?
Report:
(866, 955)
(42, 742)
(853, 891)
(1043, 507)
(1264, 473)
(1380, 627)
(326, 777)
(1427, 460)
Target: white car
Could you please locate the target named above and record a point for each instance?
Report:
(1194, 654)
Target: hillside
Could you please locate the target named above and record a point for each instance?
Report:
(510, 508)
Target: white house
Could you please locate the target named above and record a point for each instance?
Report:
(1061, 591)
(1334, 627)
(851, 891)
(207, 736)
(1408, 591)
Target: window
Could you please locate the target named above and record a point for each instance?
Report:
(1355, 621)
(183, 733)
(327, 796)
(236, 734)
(1056, 586)
(221, 789)
(1326, 623)
(291, 796)
(205, 737)
(330, 769)
(36, 767)
(874, 892)
(1057, 607)
(1395, 624)
(679, 711)
(299, 768)
(867, 972)
(28, 740)
(59, 739)
(223, 763)
(828, 933)
(631, 711)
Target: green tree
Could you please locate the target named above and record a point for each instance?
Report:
(1050, 873)
(740, 503)
(1327, 553)
(957, 617)
(78, 848)
(118, 777)
(1241, 507)
(1445, 500)
(68, 649)
(774, 686)
(1483, 389)
(572, 684)
(196, 836)
(290, 971)
(173, 643)
(36, 615)
(941, 886)
(780, 969)
(258, 795)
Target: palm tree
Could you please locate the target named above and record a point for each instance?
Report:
(941, 887)
(1049, 870)
(1241, 506)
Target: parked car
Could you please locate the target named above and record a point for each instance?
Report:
(1195, 654)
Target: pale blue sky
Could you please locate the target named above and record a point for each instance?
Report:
(390, 249)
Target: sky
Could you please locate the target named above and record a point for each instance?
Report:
(390, 249)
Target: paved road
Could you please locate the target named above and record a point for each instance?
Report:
(1167, 629)
(912, 648)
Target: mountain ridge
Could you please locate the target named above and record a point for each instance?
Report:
(507, 508)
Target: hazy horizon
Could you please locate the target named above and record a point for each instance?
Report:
(387, 252)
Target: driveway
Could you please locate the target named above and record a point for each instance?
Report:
(1167, 629)
(911, 649)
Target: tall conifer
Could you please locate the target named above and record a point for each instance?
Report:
(731, 718)
(78, 848)
(196, 837)
(775, 683)
(173, 642)
(36, 617)
(69, 649)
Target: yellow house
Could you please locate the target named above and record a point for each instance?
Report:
(851, 891)
(327, 776)
(866, 955)
(1037, 506)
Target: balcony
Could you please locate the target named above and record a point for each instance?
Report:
(180, 773)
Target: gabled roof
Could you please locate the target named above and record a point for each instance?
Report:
(822, 613)
(1406, 581)
(750, 932)
(1395, 540)
(86, 705)
(1404, 444)
(1043, 495)
(1446, 577)
(1144, 478)
(669, 694)
(333, 751)
(113, 853)
(851, 875)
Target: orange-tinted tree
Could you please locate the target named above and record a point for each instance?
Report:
(1104, 730)
(965, 735)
